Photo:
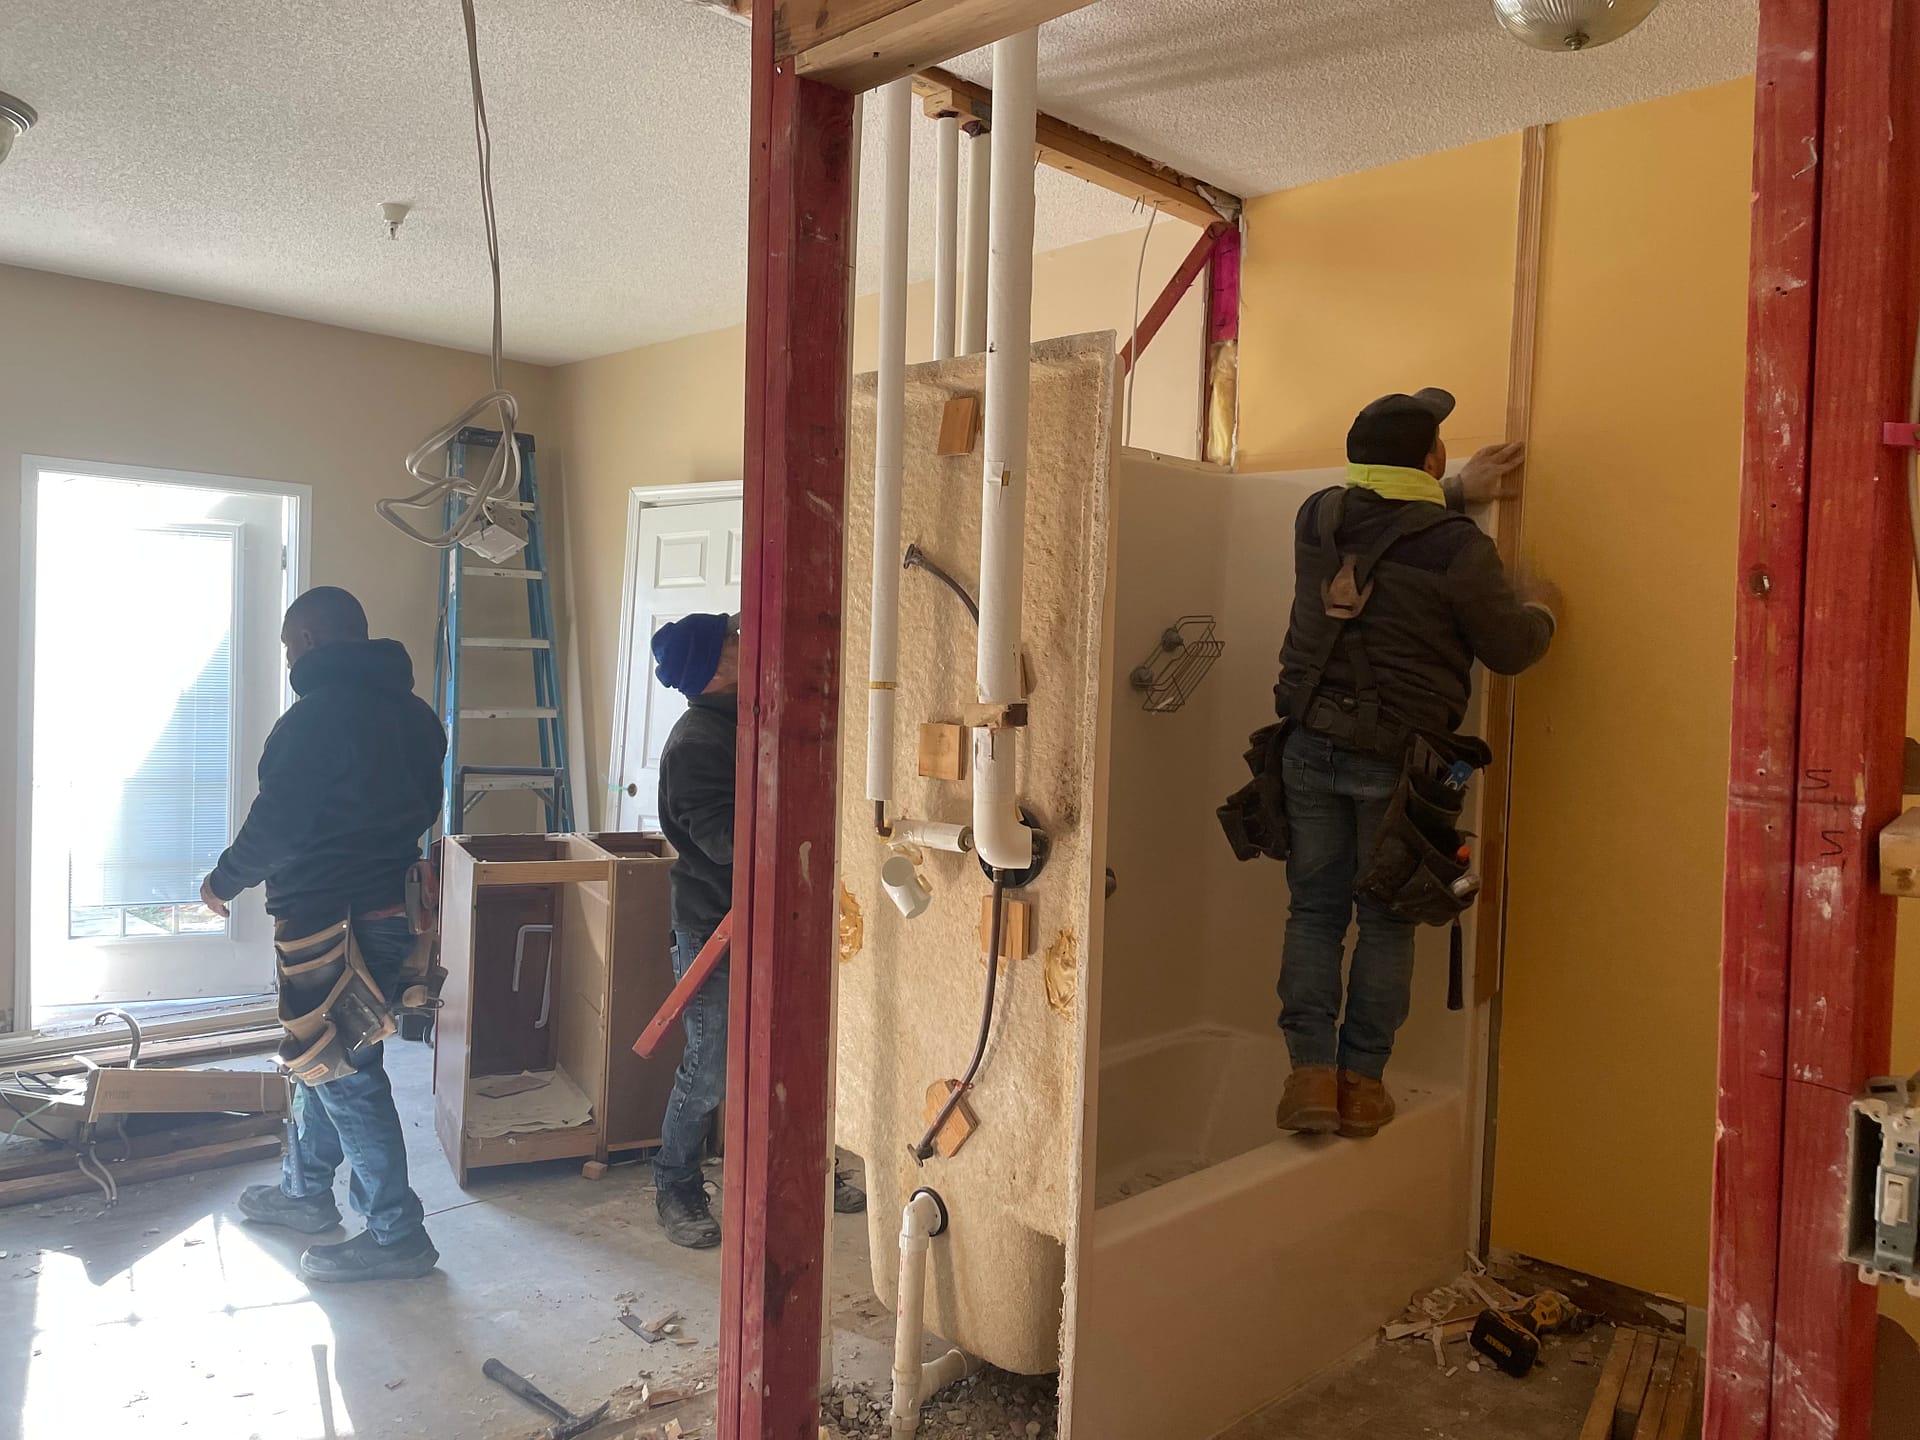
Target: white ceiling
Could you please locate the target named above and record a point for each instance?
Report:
(240, 151)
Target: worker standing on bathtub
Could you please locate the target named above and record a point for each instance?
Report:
(1397, 593)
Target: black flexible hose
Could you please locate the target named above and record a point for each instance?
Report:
(923, 1152)
(917, 560)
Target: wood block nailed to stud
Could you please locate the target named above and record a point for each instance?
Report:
(1016, 928)
(960, 1124)
(959, 425)
(943, 751)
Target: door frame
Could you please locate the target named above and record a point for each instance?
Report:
(32, 468)
(641, 499)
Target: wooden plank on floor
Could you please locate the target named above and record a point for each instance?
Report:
(185, 1092)
(180, 1162)
(1659, 1387)
(1606, 1398)
(1677, 1423)
(1633, 1390)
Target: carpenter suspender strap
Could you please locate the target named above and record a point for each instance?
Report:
(1344, 596)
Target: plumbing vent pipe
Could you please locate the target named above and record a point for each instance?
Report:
(890, 404)
(904, 886)
(1003, 842)
(946, 236)
(973, 317)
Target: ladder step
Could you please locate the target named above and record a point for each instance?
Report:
(503, 642)
(504, 572)
(476, 783)
(512, 712)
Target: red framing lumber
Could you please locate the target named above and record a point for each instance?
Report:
(1820, 677)
(1766, 693)
(1177, 287)
(773, 1263)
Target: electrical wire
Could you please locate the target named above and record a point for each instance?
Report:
(923, 1152)
(1139, 272)
(500, 480)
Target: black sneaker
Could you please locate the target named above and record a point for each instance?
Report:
(848, 1198)
(686, 1218)
(365, 1258)
(270, 1205)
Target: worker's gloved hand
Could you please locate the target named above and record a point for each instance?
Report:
(1493, 473)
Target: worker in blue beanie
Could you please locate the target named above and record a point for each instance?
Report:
(699, 656)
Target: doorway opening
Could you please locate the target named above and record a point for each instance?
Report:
(154, 671)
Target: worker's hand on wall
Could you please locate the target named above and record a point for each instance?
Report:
(1493, 473)
(1544, 593)
(212, 901)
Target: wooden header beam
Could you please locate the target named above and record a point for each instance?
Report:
(1100, 162)
(858, 44)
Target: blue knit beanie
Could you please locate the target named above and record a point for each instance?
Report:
(686, 654)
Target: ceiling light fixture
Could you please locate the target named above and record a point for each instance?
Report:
(16, 118)
(1570, 24)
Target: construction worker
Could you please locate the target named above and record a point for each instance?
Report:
(349, 780)
(1397, 593)
(700, 657)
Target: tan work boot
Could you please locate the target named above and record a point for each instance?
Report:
(1365, 1105)
(1310, 1103)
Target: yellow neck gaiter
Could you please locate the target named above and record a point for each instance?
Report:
(1396, 482)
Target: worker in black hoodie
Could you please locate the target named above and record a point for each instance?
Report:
(349, 780)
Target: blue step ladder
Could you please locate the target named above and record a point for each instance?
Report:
(466, 785)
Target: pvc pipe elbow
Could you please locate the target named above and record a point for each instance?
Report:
(905, 886)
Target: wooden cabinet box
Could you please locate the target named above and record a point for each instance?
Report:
(558, 950)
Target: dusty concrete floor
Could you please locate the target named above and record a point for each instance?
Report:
(167, 1315)
(1398, 1392)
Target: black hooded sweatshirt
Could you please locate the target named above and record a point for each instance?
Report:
(349, 780)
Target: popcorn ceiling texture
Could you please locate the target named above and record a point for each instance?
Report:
(240, 153)
(910, 996)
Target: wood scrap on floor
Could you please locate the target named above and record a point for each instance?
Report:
(1649, 1390)
(1465, 1308)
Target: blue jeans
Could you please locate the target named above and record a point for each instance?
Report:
(353, 1118)
(1336, 800)
(700, 1084)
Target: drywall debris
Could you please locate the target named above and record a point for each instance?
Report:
(853, 925)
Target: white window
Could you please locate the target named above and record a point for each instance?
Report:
(152, 644)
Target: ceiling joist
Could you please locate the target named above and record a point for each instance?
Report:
(1099, 162)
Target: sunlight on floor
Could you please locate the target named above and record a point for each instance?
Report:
(115, 1344)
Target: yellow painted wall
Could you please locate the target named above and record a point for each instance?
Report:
(1620, 768)
(673, 414)
(1403, 276)
(1386, 280)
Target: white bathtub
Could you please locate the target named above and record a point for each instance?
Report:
(1228, 1263)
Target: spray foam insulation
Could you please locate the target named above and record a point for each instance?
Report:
(910, 993)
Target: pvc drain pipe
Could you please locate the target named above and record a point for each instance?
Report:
(1002, 840)
(923, 1218)
(934, 835)
(946, 235)
(890, 404)
(973, 317)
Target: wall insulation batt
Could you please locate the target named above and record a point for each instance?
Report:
(910, 990)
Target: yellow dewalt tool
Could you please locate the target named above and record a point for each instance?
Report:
(1511, 1338)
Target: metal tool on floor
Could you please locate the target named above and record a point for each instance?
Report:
(566, 1423)
(549, 779)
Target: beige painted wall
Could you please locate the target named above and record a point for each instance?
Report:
(674, 414)
(105, 373)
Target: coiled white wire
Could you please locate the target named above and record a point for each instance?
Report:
(500, 480)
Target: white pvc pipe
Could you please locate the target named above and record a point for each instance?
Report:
(918, 1220)
(946, 237)
(890, 404)
(998, 834)
(934, 835)
(973, 319)
(905, 886)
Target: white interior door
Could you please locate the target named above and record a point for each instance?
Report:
(686, 559)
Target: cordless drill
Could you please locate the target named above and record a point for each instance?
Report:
(1511, 1338)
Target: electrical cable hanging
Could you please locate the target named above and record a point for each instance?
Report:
(500, 480)
(923, 1152)
(1139, 272)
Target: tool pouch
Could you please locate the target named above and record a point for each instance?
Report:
(1255, 816)
(330, 1006)
(1414, 871)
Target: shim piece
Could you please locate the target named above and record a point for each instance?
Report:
(1016, 928)
(943, 751)
(959, 425)
(960, 1124)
